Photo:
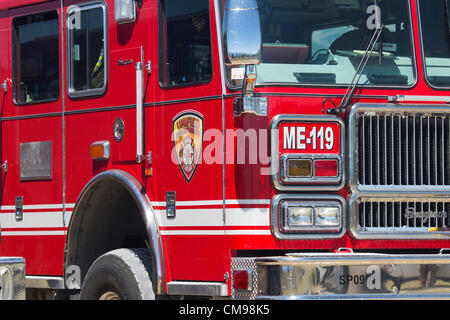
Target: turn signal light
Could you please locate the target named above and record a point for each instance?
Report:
(100, 150)
(299, 168)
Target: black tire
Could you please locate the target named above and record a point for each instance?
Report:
(121, 274)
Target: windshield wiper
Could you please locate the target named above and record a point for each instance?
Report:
(359, 71)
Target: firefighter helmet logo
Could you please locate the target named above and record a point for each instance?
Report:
(188, 140)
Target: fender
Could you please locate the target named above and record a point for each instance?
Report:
(145, 209)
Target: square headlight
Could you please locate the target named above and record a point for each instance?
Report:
(327, 216)
(300, 216)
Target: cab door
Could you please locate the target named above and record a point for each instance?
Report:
(3, 97)
(187, 146)
(31, 127)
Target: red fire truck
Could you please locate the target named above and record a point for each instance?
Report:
(244, 149)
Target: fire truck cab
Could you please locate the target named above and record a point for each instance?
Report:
(243, 149)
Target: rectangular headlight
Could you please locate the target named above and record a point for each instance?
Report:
(300, 216)
(327, 216)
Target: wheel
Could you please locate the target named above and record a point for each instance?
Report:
(122, 274)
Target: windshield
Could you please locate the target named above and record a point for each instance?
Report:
(436, 42)
(321, 42)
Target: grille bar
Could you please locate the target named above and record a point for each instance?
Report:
(403, 150)
(403, 214)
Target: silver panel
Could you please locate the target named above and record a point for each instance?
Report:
(353, 276)
(36, 160)
(244, 264)
(45, 282)
(215, 289)
(12, 278)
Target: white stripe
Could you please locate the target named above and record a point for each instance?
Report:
(214, 217)
(248, 201)
(247, 217)
(191, 203)
(34, 233)
(214, 232)
(248, 232)
(192, 232)
(214, 202)
(191, 218)
(38, 206)
(33, 220)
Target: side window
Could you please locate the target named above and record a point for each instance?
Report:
(36, 58)
(184, 42)
(87, 50)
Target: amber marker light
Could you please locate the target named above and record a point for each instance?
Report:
(299, 168)
(100, 150)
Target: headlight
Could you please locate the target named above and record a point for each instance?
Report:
(300, 216)
(327, 216)
(307, 216)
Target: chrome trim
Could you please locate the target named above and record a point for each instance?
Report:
(139, 111)
(192, 288)
(12, 278)
(417, 98)
(315, 233)
(44, 282)
(353, 276)
(250, 104)
(406, 110)
(310, 180)
(409, 233)
(147, 213)
(275, 163)
(248, 264)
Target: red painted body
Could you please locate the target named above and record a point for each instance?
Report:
(201, 248)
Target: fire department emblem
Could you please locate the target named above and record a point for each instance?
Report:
(188, 141)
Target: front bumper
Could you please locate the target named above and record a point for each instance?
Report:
(12, 278)
(346, 276)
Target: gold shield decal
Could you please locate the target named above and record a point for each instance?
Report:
(188, 141)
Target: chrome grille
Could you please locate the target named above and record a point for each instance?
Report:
(404, 214)
(403, 149)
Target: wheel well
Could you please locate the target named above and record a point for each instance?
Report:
(106, 217)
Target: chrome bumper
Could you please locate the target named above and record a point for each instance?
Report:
(12, 278)
(346, 276)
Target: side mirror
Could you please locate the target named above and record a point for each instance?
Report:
(242, 32)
